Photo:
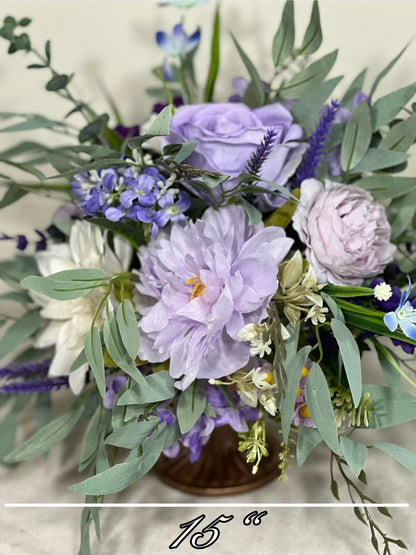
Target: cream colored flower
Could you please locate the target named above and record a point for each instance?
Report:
(382, 291)
(70, 321)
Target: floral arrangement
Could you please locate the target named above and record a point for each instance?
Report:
(224, 263)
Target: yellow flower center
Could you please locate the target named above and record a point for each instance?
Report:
(305, 372)
(268, 377)
(298, 392)
(304, 412)
(198, 286)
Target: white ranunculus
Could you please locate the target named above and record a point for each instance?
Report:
(70, 321)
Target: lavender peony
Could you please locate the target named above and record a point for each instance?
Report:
(199, 285)
(229, 133)
(345, 232)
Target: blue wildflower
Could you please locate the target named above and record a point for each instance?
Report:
(171, 210)
(404, 316)
(178, 43)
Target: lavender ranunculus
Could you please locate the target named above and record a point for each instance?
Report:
(199, 285)
(229, 133)
(346, 233)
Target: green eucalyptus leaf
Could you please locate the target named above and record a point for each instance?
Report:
(307, 109)
(159, 128)
(8, 431)
(128, 327)
(309, 77)
(32, 121)
(401, 212)
(378, 159)
(355, 88)
(255, 77)
(354, 453)
(254, 215)
(185, 151)
(351, 358)
(318, 400)
(293, 369)
(385, 71)
(57, 82)
(79, 361)
(389, 364)
(386, 186)
(391, 406)
(284, 39)
(313, 35)
(386, 108)
(215, 59)
(402, 135)
(43, 410)
(13, 194)
(117, 351)
(160, 387)
(66, 285)
(403, 456)
(133, 434)
(92, 438)
(20, 331)
(333, 307)
(60, 163)
(308, 439)
(191, 405)
(46, 438)
(92, 130)
(357, 137)
(95, 357)
(15, 270)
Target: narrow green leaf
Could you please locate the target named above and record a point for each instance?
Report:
(378, 159)
(13, 194)
(8, 431)
(318, 400)
(284, 39)
(160, 387)
(60, 163)
(31, 122)
(19, 331)
(121, 475)
(43, 410)
(313, 35)
(357, 137)
(351, 358)
(355, 88)
(69, 284)
(402, 135)
(293, 369)
(95, 358)
(46, 438)
(215, 59)
(385, 71)
(375, 324)
(309, 77)
(347, 291)
(185, 150)
(255, 77)
(386, 108)
(307, 109)
(389, 365)
(92, 438)
(354, 453)
(403, 456)
(128, 327)
(92, 130)
(159, 128)
(400, 213)
(308, 439)
(254, 215)
(191, 405)
(117, 351)
(334, 489)
(79, 361)
(386, 186)
(333, 307)
(391, 406)
(48, 50)
(133, 434)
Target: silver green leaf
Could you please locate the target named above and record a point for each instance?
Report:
(386, 186)
(133, 434)
(95, 357)
(354, 453)
(357, 137)
(390, 405)
(191, 405)
(160, 387)
(19, 331)
(308, 439)
(402, 135)
(313, 35)
(318, 400)
(128, 327)
(386, 108)
(379, 159)
(284, 39)
(351, 358)
(255, 77)
(403, 456)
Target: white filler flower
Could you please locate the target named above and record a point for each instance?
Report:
(70, 321)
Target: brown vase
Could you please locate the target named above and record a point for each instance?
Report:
(221, 469)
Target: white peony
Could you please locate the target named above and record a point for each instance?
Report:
(70, 321)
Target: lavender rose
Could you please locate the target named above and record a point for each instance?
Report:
(229, 133)
(345, 232)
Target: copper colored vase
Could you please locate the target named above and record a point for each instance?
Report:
(221, 469)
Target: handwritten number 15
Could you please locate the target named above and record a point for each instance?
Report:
(192, 524)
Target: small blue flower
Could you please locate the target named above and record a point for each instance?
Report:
(178, 43)
(404, 316)
(171, 210)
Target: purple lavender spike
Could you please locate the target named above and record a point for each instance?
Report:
(39, 385)
(262, 152)
(25, 370)
(313, 155)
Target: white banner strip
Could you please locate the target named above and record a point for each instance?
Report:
(201, 505)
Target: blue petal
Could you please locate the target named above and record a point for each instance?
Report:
(390, 319)
(405, 294)
(408, 329)
(162, 39)
(178, 31)
(193, 41)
